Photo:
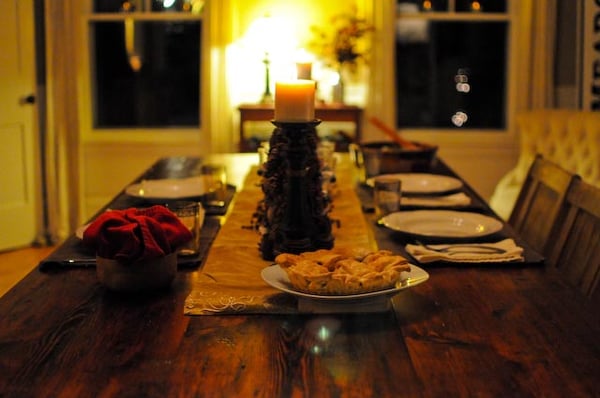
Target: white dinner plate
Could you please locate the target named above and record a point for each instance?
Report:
(278, 278)
(422, 183)
(442, 223)
(169, 188)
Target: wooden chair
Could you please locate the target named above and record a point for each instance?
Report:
(539, 202)
(575, 240)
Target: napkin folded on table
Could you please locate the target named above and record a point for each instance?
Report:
(136, 234)
(456, 199)
(467, 252)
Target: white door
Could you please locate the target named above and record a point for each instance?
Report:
(20, 181)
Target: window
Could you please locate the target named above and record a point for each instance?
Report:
(146, 63)
(451, 64)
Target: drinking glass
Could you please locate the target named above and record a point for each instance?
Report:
(214, 177)
(386, 195)
(191, 214)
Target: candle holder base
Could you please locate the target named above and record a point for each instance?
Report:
(293, 216)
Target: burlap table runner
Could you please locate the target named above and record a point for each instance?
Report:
(230, 281)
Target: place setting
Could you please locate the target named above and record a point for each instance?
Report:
(453, 236)
(439, 236)
(422, 190)
(209, 187)
(409, 162)
(195, 201)
(129, 228)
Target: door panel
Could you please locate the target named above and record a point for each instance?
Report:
(19, 184)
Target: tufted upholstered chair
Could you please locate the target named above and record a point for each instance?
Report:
(569, 138)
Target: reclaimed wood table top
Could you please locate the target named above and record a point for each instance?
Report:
(493, 330)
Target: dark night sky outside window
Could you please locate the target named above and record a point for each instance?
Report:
(164, 92)
(434, 56)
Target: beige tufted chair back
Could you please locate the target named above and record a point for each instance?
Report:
(569, 138)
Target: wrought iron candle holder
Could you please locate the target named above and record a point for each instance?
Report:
(293, 215)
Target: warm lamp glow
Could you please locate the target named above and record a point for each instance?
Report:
(304, 56)
(258, 37)
(258, 34)
(268, 36)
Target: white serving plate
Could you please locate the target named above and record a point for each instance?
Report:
(375, 301)
(442, 223)
(422, 183)
(169, 188)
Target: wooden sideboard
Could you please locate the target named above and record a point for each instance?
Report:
(325, 112)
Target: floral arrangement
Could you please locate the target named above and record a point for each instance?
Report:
(344, 43)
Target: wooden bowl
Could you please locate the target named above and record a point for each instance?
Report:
(387, 157)
(151, 274)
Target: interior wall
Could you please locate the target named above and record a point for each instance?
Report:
(481, 172)
(112, 166)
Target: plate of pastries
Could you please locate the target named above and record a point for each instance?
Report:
(340, 274)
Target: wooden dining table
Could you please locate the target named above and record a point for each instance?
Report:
(483, 330)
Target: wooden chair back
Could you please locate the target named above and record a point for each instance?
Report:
(575, 241)
(539, 202)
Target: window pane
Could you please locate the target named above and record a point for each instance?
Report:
(448, 70)
(459, 5)
(193, 6)
(155, 83)
(118, 5)
(421, 5)
(481, 5)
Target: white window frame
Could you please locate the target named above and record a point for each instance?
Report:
(382, 92)
(88, 132)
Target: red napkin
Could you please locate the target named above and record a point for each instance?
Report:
(136, 234)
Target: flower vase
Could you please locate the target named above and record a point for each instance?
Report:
(346, 74)
(337, 96)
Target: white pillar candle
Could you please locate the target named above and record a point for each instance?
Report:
(295, 101)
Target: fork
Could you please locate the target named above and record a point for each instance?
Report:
(478, 248)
